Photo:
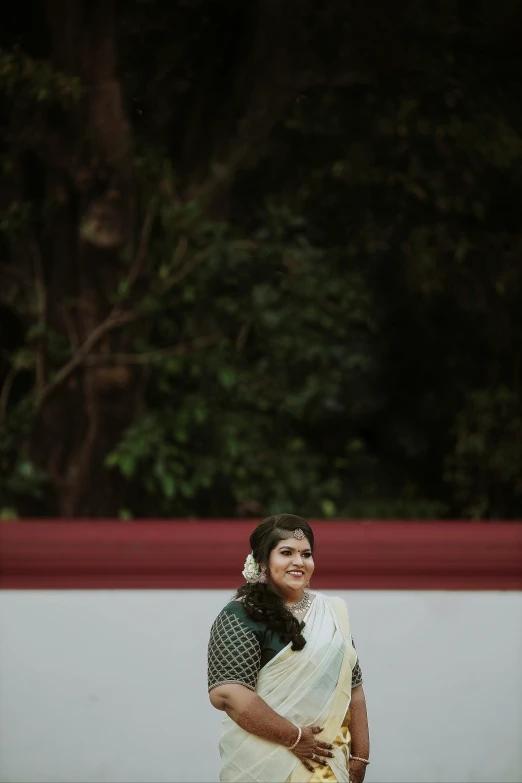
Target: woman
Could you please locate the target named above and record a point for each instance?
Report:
(282, 666)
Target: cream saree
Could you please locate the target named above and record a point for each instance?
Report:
(311, 687)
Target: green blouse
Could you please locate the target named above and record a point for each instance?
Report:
(239, 647)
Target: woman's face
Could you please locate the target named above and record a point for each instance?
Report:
(290, 567)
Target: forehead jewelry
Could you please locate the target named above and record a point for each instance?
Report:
(298, 533)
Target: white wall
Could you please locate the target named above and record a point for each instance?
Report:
(110, 685)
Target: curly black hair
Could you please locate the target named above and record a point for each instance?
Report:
(262, 603)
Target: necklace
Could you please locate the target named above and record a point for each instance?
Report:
(301, 606)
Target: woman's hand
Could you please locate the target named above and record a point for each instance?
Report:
(309, 749)
(357, 771)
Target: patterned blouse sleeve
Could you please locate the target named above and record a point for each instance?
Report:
(234, 653)
(357, 678)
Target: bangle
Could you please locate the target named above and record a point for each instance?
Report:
(358, 758)
(299, 732)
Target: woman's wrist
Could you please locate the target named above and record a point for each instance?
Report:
(256, 717)
(362, 759)
(299, 734)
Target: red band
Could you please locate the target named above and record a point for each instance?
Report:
(210, 554)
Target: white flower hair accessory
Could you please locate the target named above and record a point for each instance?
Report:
(252, 570)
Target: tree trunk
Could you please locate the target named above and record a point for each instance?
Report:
(82, 418)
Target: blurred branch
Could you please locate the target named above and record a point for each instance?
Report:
(6, 390)
(116, 319)
(181, 249)
(195, 261)
(41, 306)
(143, 246)
(242, 336)
(70, 328)
(113, 321)
(151, 356)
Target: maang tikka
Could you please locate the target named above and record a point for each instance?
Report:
(298, 533)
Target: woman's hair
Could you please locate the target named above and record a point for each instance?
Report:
(260, 601)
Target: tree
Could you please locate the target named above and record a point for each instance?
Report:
(189, 344)
(79, 156)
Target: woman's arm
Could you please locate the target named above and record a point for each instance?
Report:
(254, 715)
(360, 742)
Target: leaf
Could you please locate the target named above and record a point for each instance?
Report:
(8, 514)
(168, 486)
(127, 465)
(328, 508)
(227, 377)
(24, 359)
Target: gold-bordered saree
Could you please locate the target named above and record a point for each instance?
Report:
(311, 687)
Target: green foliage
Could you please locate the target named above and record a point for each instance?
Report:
(29, 80)
(7, 514)
(417, 190)
(347, 342)
(231, 425)
(486, 466)
(20, 478)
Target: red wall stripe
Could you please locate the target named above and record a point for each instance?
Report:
(210, 554)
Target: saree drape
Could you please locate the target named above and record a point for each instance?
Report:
(311, 687)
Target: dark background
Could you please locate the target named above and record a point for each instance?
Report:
(260, 257)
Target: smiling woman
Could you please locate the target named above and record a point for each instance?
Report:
(283, 667)
(291, 566)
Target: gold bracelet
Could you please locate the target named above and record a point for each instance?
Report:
(358, 758)
(299, 732)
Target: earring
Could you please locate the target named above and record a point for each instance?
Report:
(308, 585)
(262, 578)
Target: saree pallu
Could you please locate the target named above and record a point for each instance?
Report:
(311, 687)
